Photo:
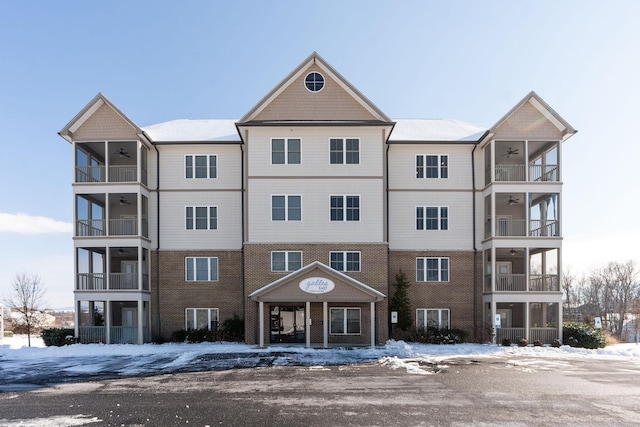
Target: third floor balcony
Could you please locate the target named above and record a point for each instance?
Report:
(110, 162)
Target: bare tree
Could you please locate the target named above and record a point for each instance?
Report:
(612, 289)
(26, 297)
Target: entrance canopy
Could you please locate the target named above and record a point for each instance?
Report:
(317, 282)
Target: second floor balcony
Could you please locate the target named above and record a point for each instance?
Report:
(107, 215)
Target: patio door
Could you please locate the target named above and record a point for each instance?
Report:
(129, 325)
(129, 271)
(287, 324)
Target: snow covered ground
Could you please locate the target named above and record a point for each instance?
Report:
(40, 366)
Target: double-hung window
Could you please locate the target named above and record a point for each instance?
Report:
(432, 218)
(201, 269)
(286, 261)
(344, 321)
(285, 151)
(432, 166)
(201, 217)
(433, 318)
(201, 318)
(345, 261)
(432, 269)
(201, 166)
(345, 208)
(286, 208)
(344, 151)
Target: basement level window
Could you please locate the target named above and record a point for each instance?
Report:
(314, 82)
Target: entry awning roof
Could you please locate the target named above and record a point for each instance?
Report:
(347, 288)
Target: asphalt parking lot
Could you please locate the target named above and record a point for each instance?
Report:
(499, 391)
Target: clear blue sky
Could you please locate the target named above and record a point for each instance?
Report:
(165, 60)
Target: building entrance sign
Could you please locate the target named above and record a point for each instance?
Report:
(317, 285)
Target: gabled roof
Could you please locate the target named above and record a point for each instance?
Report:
(315, 60)
(326, 271)
(193, 131)
(549, 113)
(435, 130)
(85, 114)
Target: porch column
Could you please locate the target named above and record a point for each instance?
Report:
(560, 337)
(526, 320)
(325, 325)
(76, 318)
(140, 321)
(107, 321)
(307, 315)
(492, 304)
(261, 327)
(526, 161)
(372, 309)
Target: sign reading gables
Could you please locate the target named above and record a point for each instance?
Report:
(317, 285)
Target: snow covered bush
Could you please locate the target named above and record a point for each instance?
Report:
(58, 337)
(585, 336)
(431, 335)
(506, 342)
(523, 342)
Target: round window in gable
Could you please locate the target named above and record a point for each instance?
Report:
(314, 82)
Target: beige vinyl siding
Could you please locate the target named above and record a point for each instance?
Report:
(316, 225)
(172, 167)
(402, 221)
(330, 103)
(314, 148)
(175, 236)
(402, 166)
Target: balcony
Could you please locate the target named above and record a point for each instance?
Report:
(519, 283)
(116, 227)
(517, 173)
(112, 282)
(518, 228)
(117, 174)
(110, 162)
(118, 334)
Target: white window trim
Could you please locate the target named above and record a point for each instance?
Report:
(424, 219)
(345, 321)
(193, 166)
(344, 260)
(344, 149)
(286, 150)
(286, 207)
(439, 258)
(424, 158)
(344, 207)
(186, 260)
(194, 218)
(425, 317)
(286, 261)
(195, 316)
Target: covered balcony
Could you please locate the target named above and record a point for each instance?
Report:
(112, 269)
(521, 270)
(115, 214)
(522, 161)
(113, 322)
(110, 161)
(533, 321)
(522, 214)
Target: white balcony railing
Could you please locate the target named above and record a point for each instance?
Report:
(518, 283)
(547, 228)
(518, 228)
(544, 173)
(90, 227)
(123, 227)
(121, 173)
(544, 335)
(516, 172)
(117, 282)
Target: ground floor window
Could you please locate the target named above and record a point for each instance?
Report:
(345, 321)
(433, 318)
(201, 318)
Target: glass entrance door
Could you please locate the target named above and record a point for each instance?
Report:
(287, 324)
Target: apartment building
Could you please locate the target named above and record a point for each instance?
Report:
(297, 217)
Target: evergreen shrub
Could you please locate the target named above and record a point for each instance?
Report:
(58, 337)
(584, 336)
